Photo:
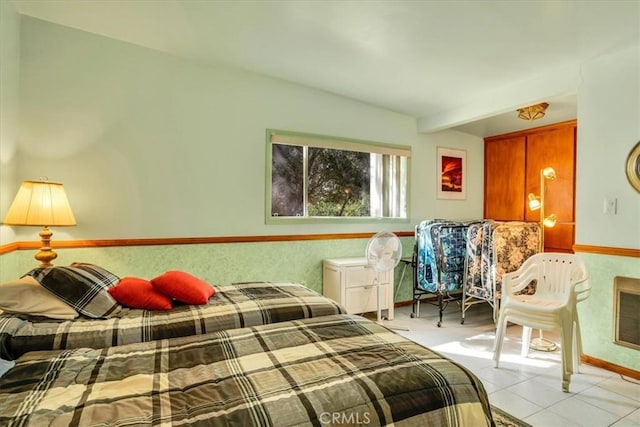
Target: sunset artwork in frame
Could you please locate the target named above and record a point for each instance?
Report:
(452, 171)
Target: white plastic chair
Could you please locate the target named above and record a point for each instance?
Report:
(561, 282)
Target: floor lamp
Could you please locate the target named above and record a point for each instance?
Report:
(537, 203)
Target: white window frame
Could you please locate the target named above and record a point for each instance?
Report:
(400, 168)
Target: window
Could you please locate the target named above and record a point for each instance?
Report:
(311, 176)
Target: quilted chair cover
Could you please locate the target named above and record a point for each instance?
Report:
(513, 244)
(439, 262)
(425, 267)
(493, 249)
(440, 245)
(441, 254)
(473, 263)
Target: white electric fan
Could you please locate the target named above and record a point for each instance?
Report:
(383, 253)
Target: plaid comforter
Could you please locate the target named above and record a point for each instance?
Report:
(235, 306)
(329, 370)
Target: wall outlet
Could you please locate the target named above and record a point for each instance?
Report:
(610, 205)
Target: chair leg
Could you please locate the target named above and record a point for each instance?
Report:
(526, 341)
(500, 331)
(577, 345)
(566, 335)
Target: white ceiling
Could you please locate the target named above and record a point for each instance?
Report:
(460, 64)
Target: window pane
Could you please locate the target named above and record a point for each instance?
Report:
(287, 180)
(339, 182)
(316, 176)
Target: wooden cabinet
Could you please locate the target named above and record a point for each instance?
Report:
(351, 282)
(504, 175)
(512, 171)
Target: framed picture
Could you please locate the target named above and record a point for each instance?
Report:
(452, 174)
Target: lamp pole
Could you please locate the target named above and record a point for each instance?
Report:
(541, 343)
(542, 210)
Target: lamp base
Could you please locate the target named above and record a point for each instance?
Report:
(45, 255)
(542, 344)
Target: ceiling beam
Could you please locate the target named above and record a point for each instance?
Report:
(542, 86)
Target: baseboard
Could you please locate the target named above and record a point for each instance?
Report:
(402, 303)
(599, 363)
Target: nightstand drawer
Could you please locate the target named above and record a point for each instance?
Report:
(359, 276)
(363, 299)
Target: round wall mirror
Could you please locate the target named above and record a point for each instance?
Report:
(633, 167)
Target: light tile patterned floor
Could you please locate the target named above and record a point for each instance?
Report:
(529, 388)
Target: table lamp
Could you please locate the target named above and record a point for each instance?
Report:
(41, 203)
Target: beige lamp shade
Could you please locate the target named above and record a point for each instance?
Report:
(40, 203)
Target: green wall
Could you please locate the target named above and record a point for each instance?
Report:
(219, 264)
(608, 128)
(596, 313)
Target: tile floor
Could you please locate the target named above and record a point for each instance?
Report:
(528, 388)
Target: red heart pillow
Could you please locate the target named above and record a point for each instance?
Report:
(183, 287)
(139, 293)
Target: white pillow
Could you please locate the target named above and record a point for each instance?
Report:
(27, 296)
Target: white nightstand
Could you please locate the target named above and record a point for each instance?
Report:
(351, 282)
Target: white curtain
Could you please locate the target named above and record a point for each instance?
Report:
(388, 194)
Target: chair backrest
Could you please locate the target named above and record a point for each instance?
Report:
(558, 273)
(558, 276)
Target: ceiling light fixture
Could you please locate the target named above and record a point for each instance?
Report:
(532, 112)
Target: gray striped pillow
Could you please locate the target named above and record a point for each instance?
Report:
(83, 286)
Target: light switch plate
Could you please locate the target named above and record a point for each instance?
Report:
(610, 205)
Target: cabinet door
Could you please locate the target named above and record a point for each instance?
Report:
(504, 169)
(554, 148)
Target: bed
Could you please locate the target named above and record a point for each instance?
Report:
(339, 369)
(234, 306)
